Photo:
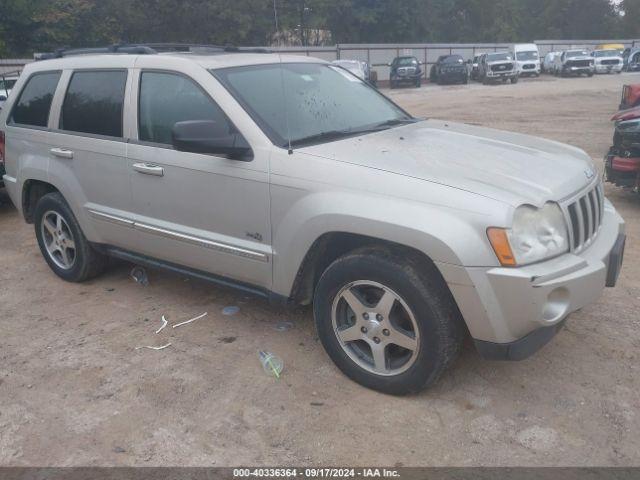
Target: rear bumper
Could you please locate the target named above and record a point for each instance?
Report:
(518, 309)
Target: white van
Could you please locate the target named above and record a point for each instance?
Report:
(527, 58)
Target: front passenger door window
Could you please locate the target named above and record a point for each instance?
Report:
(166, 99)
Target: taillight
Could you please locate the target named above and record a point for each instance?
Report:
(1, 147)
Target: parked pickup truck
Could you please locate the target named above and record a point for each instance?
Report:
(498, 67)
(607, 61)
(289, 178)
(574, 62)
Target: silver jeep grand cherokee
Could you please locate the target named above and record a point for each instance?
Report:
(291, 178)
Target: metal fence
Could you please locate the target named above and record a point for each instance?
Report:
(380, 55)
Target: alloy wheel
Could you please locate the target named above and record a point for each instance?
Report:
(58, 240)
(375, 327)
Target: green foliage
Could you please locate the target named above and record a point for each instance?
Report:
(29, 26)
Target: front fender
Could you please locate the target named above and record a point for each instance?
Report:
(447, 235)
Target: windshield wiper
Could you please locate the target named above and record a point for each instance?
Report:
(338, 134)
(323, 136)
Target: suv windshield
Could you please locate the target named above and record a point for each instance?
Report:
(496, 57)
(527, 55)
(404, 61)
(309, 103)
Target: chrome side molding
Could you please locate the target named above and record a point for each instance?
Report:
(200, 242)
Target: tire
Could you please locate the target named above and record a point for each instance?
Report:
(81, 261)
(421, 301)
(514, 80)
(590, 74)
(465, 81)
(392, 84)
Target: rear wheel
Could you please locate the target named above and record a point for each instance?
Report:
(385, 322)
(62, 243)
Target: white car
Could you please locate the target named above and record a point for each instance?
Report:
(607, 61)
(548, 64)
(358, 68)
(6, 84)
(527, 59)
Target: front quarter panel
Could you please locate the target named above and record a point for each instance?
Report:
(312, 196)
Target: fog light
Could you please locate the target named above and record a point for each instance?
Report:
(557, 305)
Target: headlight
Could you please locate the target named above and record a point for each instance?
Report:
(536, 234)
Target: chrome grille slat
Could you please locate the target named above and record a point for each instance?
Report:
(584, 216)
(581, 214)
(596, 209)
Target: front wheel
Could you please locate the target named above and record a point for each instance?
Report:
(386, 321)
(514, 80)
(62, 243)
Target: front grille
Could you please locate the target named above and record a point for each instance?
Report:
(503, 67)
(579, 63)
(610, 62)
(585, 217)
(406, 71)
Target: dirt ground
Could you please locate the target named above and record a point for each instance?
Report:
(75, 391)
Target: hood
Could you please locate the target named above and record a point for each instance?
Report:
(508, 167)
(629, 114)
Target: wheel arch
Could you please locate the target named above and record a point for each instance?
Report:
(32, 191)
(332, 245)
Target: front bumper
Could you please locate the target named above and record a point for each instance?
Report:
(578, 70)
(518, 310)
(453, 76)
(497, 75)
(608, 68)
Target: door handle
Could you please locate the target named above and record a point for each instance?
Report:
(149, 169)
(61, 153)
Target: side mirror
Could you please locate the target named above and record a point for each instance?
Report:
(209, 137)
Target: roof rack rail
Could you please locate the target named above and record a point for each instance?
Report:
(122, 49)
(150, 49)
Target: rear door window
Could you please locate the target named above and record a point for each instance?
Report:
(34, 103)
(94, 103)
(168, 98)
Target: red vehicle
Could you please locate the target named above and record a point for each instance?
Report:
(622, 163)
(630, 96)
